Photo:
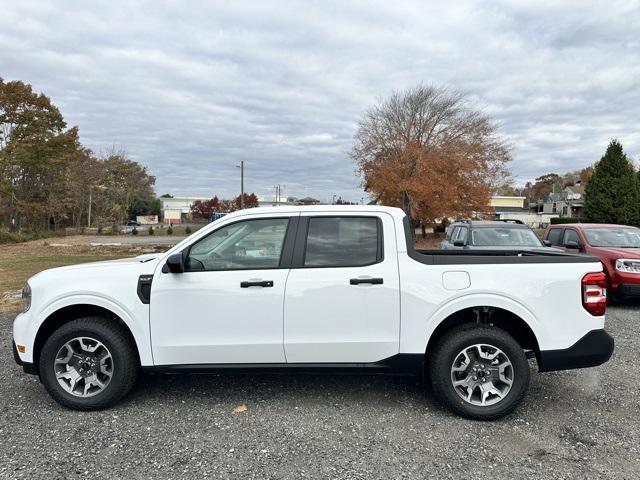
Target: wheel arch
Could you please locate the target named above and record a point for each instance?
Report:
(68, 313)
(505, 314)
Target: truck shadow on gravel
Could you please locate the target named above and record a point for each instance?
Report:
(283, 389)
(304, 390)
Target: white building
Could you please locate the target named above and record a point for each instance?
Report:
(513, 208)
(265, 201)
(178, 209)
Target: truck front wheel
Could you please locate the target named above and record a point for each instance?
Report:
(89, 363)
(479, 372)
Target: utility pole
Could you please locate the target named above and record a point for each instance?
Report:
(89, 211)
(241, 167)
(333, 202)
(278, 193)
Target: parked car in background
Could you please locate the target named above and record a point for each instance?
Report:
(491, 235)
(128, 226)
(616, 246)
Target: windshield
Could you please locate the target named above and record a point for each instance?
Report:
(504, 237)
(613, 237)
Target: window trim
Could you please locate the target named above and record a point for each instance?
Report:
(300, 248)
(286, 251)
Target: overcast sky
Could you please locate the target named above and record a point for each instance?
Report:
(191, 88)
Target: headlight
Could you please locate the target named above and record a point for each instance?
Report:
(26, 297)
(628, 265)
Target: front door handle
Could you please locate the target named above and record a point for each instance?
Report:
(258, 283)
(372, 281)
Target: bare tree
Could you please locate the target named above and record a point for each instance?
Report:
(429, 151)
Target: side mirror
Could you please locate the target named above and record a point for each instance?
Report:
(573, 245)
(174, 264)
(458, 243)
(546, 243)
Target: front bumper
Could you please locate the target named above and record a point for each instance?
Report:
(26, 366)
(594, 349)
(628, 290)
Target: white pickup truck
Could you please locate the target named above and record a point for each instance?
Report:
(315, 289)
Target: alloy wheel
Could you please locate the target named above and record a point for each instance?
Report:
(482, 374)
(83, 366)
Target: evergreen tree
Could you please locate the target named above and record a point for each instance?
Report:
(613, 191)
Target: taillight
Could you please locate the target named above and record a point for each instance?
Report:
(594, 293)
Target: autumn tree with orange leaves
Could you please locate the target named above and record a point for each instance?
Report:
(428, 151)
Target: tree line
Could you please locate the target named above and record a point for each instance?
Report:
(540, 189)
(426, 149)
(49, 180)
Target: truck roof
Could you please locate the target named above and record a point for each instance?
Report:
(396, 212)
(491, 223)
(591, 225)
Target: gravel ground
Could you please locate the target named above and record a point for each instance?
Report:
(576, 424)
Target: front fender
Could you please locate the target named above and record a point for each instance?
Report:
(137, 322)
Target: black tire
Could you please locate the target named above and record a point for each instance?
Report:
(613, 299)
(445, 353)
(115, 339)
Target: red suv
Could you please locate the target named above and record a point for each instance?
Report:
(616, 246)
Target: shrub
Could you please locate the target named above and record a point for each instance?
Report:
(151, 231)
(11, 237)
(170, 230)
(187, 230)
(8, 236)
(134, 231)
(557, 220)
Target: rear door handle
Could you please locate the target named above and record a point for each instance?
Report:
(372, 281)
(258, 283)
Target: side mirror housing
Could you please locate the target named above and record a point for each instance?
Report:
(572, 245)
(458, 243)
(174, 264)
(546, 243)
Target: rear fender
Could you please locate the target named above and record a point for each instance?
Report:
(486, 300)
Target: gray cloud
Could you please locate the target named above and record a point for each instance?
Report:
(191, 89)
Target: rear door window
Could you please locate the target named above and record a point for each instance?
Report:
(343, 242)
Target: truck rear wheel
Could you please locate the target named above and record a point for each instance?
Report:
(479, 372)
(88, 364)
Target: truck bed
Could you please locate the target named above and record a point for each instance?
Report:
(462, 257)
